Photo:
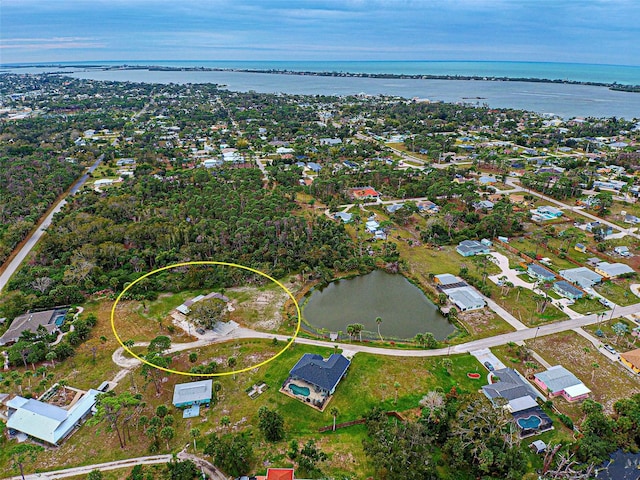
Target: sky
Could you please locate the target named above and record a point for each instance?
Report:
(576, 31)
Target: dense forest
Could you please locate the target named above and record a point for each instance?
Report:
(30, 181)
(105, 240)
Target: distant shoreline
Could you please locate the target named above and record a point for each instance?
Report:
(611, 86)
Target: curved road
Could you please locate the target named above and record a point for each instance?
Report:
(37, 234)
(213, 472)
(517, 336)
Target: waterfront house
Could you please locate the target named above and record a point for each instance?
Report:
(558, 381)
(465, 298)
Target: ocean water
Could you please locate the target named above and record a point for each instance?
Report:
(564, 100)
(582, 72)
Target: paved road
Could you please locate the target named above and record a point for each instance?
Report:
(37, 234)
(517, 336)
(212, 472)
(578, 210)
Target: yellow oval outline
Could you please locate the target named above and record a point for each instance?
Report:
(205, 262)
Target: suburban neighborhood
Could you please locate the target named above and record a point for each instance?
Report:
(167, 308)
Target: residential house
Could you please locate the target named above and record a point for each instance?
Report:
(483, 205)
(315, 167)
(613, 270)
(558, 381)
(581, 276)
(469, 248)
(344, 216)
(372, 226)
(46, 422)
(631, 359)
(447, 280)
(601, 227)
(567, 290)
(192, 393)
(364, 193)
(49, 319)
(428, 206)
(465, 298)
(487, 180)
(322, 374)
(628, 218)
(580, 247)
(623, 251)
(394, 207)
(330, 141)
(278, 474)
(540, 273)
(511, 391)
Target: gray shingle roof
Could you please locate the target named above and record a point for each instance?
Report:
(320, 372)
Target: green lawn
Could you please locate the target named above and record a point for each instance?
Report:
(523, 306)
(618, 291)
(588, 305)
(370, 381)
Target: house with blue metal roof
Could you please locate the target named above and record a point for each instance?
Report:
(540, 273)
(567, 290)
(47, 422)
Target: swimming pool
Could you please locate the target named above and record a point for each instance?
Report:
(59, 320)
(298, 390)
(530, 423)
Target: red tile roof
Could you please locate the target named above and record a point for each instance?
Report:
(280, 474)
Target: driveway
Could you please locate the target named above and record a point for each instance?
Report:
(512, 275)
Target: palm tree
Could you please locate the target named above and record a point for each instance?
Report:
(378, 322)
(335, 412)
(396, 386)
(195, 433)
(519, 289)
(51, 356)
(419, 338)
(595, 366)
(28, 374)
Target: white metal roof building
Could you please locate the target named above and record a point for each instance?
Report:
(581, 276)
(612, 270)
(466, 298)
(192, 393)
(47, 422)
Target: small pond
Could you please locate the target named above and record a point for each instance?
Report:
(404, 309)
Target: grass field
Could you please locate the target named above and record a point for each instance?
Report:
(618, 291)
(371, 380)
